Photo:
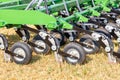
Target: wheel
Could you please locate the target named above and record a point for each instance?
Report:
(23, 50)
(74, 49)
(60, 36)
(87, 39)
(39, 42)
(3, 41)
(103, 31)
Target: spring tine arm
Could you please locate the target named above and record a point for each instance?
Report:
(53, 2)
(66, 7)
(39, 3)
(30, 4)
(93, 3)
(78, 5)
(47, 11)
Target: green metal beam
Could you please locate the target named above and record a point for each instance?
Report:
(60, 6)
(19, 17)
(84, 13)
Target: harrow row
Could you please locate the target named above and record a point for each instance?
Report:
(80, 26)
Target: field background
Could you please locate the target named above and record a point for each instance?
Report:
(42, 67)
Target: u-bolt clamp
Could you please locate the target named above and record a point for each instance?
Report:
(54, 44)
(50, 40)
(106, 43)
(114, 30)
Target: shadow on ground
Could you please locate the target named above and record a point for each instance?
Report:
(35, 58)
(87, 60)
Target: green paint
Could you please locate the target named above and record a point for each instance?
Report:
(12, 12)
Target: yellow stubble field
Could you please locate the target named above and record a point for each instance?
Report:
(96, 67)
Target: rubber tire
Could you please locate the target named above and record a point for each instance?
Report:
(63, 39)
(103, 31)
(95, 43)
(27, 50)
(78, 47)
(5, 41)
(45, 51)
